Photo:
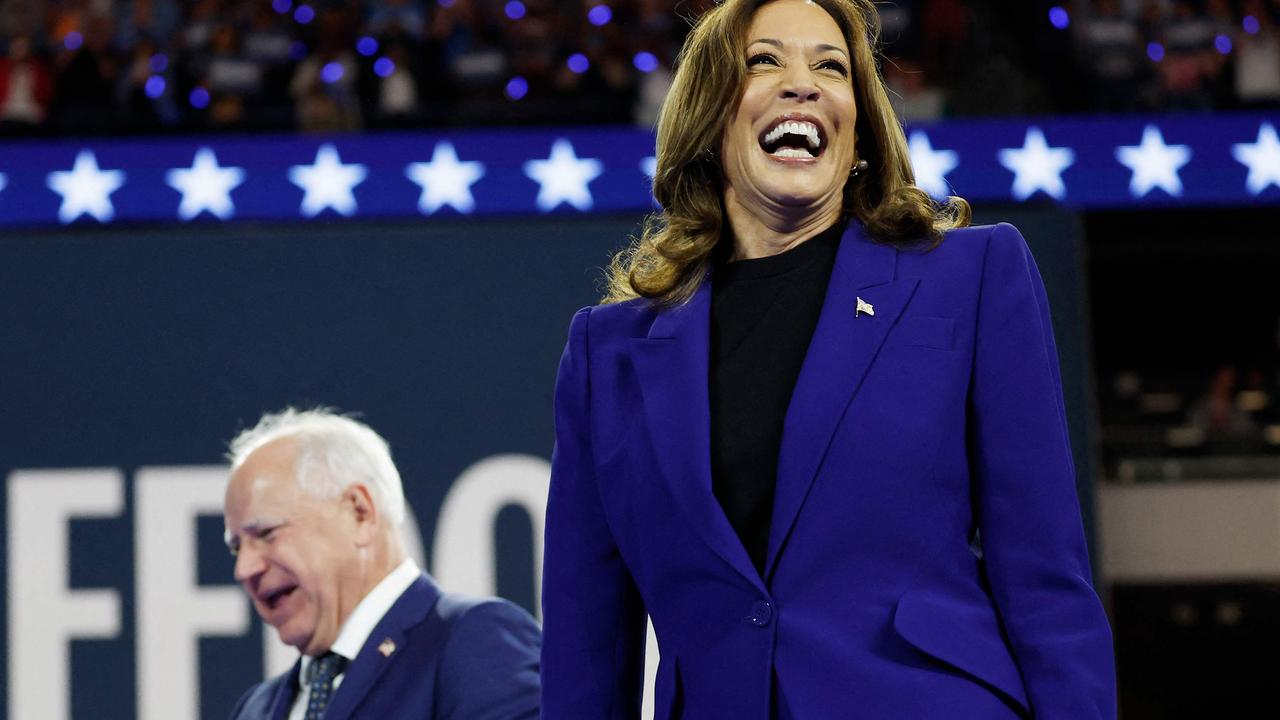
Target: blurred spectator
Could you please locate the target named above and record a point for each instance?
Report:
(1111, 49)
(26, 88)
(1217, 414)
(85, 95)
(139, 65)
(1190, 66)
(1257, 76)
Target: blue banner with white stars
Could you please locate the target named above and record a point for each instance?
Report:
(1113, 162)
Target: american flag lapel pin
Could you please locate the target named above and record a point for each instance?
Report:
(386, 647)
(864, 307)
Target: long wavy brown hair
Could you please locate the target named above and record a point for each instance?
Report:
(668, 260)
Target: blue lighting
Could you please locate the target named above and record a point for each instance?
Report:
(445, 3)
(1251, 25)
(1223, 44)
(331, 72)
(514, 9)
(645, 61)
(517, 87)
(367, 46)
(578, 63)
(154, 86)
(1155, 51)
(1059, 18)
(297, 50)
(159, 62)
(73, 40)
(281, 6)
(599, 15)
(384, 67)
(199, 98)
(304, 14)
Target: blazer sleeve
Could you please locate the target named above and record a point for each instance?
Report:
(593, 618)
(1028, 511)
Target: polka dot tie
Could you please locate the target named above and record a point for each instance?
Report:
(320, 677)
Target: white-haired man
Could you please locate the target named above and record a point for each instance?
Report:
(314, 510)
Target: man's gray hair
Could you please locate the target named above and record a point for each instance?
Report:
(334, 452)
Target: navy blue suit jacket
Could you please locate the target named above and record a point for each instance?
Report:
(926, 557)
(455, 657)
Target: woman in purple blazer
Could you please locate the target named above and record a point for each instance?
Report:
(816, 429)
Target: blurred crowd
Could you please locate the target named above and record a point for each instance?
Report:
(104, 66)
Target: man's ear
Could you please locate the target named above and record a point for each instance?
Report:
(358, 501)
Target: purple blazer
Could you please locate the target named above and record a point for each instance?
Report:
(926, 557)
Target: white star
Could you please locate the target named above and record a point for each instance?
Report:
(563, 177)
(931, 166)
(328, 183)
(1154, 164)
(205, 186)
(85, 189)
(1036, 166)
(649, 166)
(445, 180)
(1262, 157)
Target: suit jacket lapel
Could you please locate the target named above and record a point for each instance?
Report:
(843, 347)
(365, 669)
(672, 364)
(282, 699)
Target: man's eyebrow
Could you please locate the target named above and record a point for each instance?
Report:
(822, 47)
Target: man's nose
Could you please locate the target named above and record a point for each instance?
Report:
(249, 563)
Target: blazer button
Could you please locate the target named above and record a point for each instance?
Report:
(761, 613)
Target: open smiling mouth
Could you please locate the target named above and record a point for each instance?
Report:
(273, 599)
(793, 139)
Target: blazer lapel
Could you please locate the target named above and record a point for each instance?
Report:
(843, 346)
(673, 364)
(373, 660)
(286, 692)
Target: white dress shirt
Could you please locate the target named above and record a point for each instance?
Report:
(356, 630)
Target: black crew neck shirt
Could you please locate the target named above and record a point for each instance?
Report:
(763, 314)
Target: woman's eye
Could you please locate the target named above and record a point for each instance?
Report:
(835, 65)
(762, 59)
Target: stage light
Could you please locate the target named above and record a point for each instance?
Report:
(1155, 51)
(384, 67)
(304, 14)
(1059, 17)
(154, 87)
(367, 46)
(517, 87)
(514, 9)
(331, 72)
(199, 98)
(578, 63)
(645, 62)
(599, 15)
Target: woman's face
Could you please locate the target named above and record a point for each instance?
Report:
(790, 142)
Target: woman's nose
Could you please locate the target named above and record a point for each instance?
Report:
(798, 84)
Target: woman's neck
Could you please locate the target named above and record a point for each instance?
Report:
(759, 232)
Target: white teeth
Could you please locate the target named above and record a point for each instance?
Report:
(790, 152)
(795, 127)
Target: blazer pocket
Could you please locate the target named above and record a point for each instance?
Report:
(923, 331)
(668, 691)
(963, 633)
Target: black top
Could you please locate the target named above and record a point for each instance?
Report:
(763, 313)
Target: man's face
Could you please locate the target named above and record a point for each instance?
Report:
(295, 553)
